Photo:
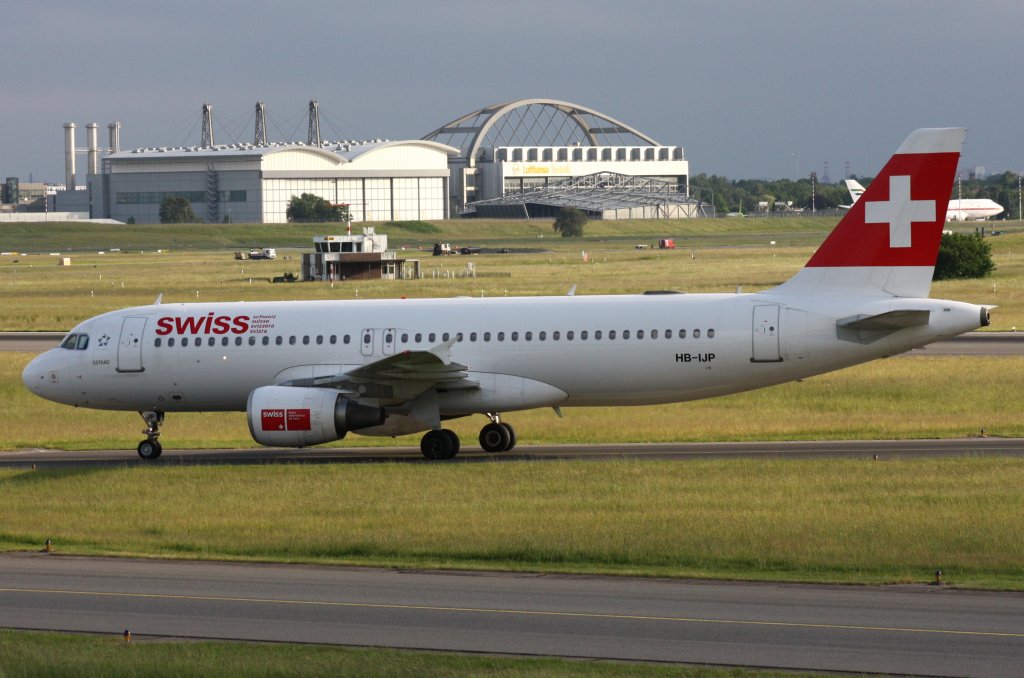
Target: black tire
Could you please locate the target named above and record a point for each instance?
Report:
(436, 445)
(494, 438)
(456, 443)
(511, 436)
(149, 449)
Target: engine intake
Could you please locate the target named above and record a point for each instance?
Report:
(292, 416)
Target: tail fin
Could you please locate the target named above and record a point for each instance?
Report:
(887, 244)
(855, 189)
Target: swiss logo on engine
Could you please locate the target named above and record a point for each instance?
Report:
(298, 420)
(272, 420)
(285, 420)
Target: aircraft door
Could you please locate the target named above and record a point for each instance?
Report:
(389, 340)
(366, 342)
(129, 346)
(766, 335)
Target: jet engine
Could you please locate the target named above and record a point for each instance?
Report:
(292, 416)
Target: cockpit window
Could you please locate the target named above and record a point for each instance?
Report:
(75, 342)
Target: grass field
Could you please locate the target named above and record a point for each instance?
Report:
(25, 654)
(833, 520)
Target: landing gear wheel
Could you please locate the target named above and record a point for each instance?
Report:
(495, 437)
(149, 449)
(439, 444)
(511, 436)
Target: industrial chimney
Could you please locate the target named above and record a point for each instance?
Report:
(114, 130)
(69, 156)
(92, 131)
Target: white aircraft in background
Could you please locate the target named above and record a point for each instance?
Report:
(309, 372)
(972, 209)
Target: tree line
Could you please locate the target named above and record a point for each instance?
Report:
(744, 195)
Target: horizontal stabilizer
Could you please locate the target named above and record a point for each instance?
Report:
(885, 322)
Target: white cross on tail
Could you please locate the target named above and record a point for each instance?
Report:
(899, 212)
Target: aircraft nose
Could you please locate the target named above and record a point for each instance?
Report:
(34, 375)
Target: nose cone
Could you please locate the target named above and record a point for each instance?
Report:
(34, 375)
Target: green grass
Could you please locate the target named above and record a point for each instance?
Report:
(29, 654)
(832, 520)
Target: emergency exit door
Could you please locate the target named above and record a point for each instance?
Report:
(129, 346)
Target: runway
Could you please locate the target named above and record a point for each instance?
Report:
(880, 450)
(973, 343)
(919, 630)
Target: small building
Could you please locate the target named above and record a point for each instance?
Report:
(363, 256)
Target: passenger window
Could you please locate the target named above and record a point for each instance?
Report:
(458, 337)
(639, 334)
(347, 339)
(583, 335)
(597, 334)
(682, 334)
(611, 334)
(279, 340)
(501, 336)
(184, 341)
(569, 335)
(367, 338)
(528, 336)
(654, 334)
(711, 334)
(224, 341)
(266, 340)
(542, 336)
(625, 334)
(472, 336)
(305, 340)
(238, 341)
(419, 337)
(431, 337)
(444, 337)
(157, 342)
(170, 342)
(252, 341)
(696, 334)
(405, 339)
(556, 335)
(388, 338)
(515, 336)
(487, 336)
(668, 334)
(333, 339)
(291, 340)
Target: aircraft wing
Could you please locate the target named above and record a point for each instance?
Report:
(397, 378)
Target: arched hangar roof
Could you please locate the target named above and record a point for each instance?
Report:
(535, 122)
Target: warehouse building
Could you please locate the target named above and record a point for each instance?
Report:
(378, 180)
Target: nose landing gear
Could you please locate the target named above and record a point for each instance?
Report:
(150, 448)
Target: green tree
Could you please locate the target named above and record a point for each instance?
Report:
(569, 222)
(175, 210)
(963, 255)
(309, 208)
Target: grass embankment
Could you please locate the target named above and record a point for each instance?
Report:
(39, 295)
(833, 520)
(24, 654)
(918, 397)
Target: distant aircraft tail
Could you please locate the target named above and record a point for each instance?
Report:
(856, 190)
(887, 244)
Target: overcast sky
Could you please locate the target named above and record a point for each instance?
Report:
(759, 89)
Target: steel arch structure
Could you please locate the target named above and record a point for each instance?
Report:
(535, 122)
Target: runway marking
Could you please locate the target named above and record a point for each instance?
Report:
(534, 613)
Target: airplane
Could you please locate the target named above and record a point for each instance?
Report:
(968, 209)
(309, 372)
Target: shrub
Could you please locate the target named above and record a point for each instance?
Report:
(963, 255)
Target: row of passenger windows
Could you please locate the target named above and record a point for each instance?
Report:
(432, 337)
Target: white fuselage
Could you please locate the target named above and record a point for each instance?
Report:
(521, 352)
(973, 209)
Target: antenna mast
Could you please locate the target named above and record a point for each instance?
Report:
(313, 138)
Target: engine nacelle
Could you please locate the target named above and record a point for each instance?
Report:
(291, 416)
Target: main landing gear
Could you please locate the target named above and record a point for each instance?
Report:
(496, 436)
(150, 448)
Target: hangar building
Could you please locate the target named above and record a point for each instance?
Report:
(379, 180)
(532, 156)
